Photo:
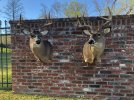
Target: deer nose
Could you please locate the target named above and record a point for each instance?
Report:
(92, 41)
(38, 42)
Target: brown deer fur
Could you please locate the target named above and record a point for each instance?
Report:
(93, 51)
(42, 51)
(94, 47)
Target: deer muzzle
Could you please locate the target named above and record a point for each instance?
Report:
(37, 40)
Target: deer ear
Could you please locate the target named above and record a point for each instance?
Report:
(44, 32)
(26, 32)
(87, 32)
(107, 30)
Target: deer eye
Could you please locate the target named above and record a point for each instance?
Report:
(33, 36)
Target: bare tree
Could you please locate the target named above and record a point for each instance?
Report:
(0, 9)
(57, 8)
(45, 12)
(13, 9)
(118, 7)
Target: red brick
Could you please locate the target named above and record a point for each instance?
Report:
(16, 70)
(76, 82)
(53, 74)
(130, 95)
(108, 94)
(80, 71)
(26, 70)
(27, 77)
(108, 79)
(48, 84)
(82, 78)
(100, 90)
(70, 85)
(77, 88)
(91, 93)
(88, 82)
(118, 94)
(54, 88)
(65, 88)
(107, 86)
(132, 72)
(130, 42)
(27, 84)
(126, 91)
(126, 83)
(37, 84)
(42, 74)
(21, 80)
(130, 34)
(101, 82)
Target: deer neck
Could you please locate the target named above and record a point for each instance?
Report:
(101, 39)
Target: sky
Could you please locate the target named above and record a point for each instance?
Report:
(32, 8)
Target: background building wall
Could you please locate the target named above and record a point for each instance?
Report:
(66, 74)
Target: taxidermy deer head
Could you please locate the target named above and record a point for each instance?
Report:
(42, 49)
(94, 47)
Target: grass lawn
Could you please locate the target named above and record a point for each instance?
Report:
(8, 95)
(5, 68)
(7, 78)
(4, 50)
(6, 39)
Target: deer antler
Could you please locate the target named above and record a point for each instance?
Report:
(21, 22)
(108, 20)
(79, 24)
(49, 22)
(88, 30)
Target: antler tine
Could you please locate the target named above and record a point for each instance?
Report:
(48, 24)
(49, 16)
(45, 17)
(48, 21)
(83, 20)
(22, 27)
(78, 22)
(89, 26)
(20, 21)
(110, 14)
(109, 19)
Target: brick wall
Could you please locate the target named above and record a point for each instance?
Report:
(66, 75)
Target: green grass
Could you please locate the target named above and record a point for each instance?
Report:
(5, 59)
(5, 50)
(7, 76)
(8, 95)
(5, 70)
(6, 39)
